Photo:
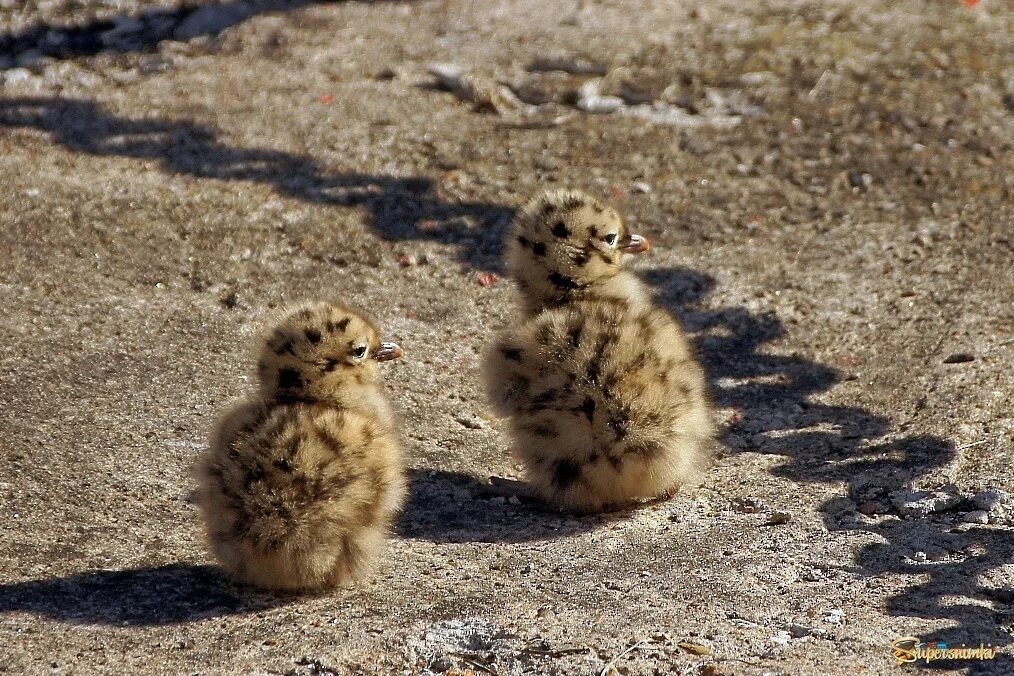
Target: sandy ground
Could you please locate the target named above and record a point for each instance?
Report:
(829, 187)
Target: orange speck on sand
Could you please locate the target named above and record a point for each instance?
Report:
(971, 3)
(327, 99)
(488, 279)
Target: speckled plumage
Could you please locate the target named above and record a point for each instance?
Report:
(300, 483)
(606, 400)
(557, 252)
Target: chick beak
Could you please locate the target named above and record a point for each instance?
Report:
(635, 244)
(389, 351)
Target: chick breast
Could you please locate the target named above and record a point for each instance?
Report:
(607, 403)
(299, 496)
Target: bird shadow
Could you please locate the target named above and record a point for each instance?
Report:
(832, 444)
(161, 595)
(139, 31)
(445, 506)
(400, 208)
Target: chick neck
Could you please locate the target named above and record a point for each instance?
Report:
(539, 293)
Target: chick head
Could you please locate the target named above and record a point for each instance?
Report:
(565, 241)
(318, 349)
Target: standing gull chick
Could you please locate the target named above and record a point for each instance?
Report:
(300, 483)
(607, 402)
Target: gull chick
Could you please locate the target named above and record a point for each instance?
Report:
(607, 403)
(301, 482)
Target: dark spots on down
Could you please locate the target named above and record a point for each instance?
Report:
(545, 334)
(575, 334)
(333, 443)
(588, 408)
(289, 379)
(542, 429)
(286, 348)
(639, 362)
(594, 457)
(561, 230)
(598, 208)
(581, 259)
(548, 208)
(253, 476)
(542, 399)
(511, 353)
(562, 282)
(313, 335)
(539, 249)
(566, 473)
(644, 449)
(283, 465)
(573, 202)
(339, 326)
(525, 242)
(330, 365)
(620, 427)
(615, 461)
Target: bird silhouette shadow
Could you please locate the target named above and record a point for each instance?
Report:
(848, 445)
(141, 31)
(400, 208)
(445, 506)
(159, 595)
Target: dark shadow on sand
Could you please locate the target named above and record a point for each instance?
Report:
(846, 444)
(400, 208)
(137, 597)
(456, 507)
(140, 31)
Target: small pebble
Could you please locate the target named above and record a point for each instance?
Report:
(781, 638)
(797, 630)
(870, 507)
(859, 179)
(441, 664)
(472, 422)
(959, 358)
(546, 614)
(640, 187)
(923, 503)
(919, 557)
(514, 500)
(407, 260)
(778, 518)
(978, 516)
(834, 616)
(811, 575)
(749, 505)
(989, 500)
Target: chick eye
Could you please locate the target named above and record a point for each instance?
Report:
(359, 352)
(610, 239)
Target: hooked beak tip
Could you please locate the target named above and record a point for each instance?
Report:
(389, 351)
(637, 244)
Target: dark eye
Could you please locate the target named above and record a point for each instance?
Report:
(610, 239)
(359, 352)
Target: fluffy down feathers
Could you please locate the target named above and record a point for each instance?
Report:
(607, 404)
(300, 484)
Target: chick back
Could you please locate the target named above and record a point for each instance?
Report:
(607, 403)
(299, 495)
